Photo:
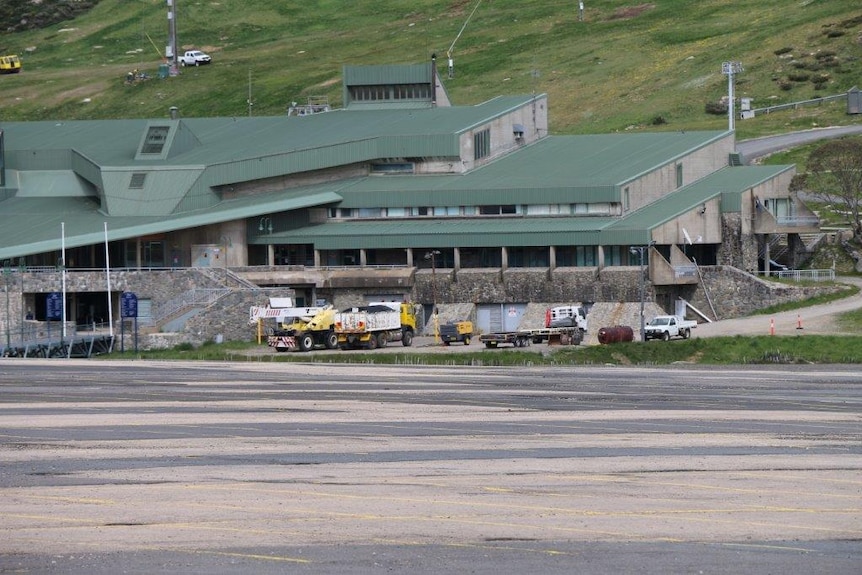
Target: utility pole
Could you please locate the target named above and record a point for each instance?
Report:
(729, 69)
(640, 250)
(432, 256)
(171, 49)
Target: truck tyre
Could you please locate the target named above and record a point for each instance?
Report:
(407, 338)
(382, 340)
(665, 336)
(446, 343)
(467, 340)
(490, 344)
(306, 342)
(686, 333)
(372, 342)
(331, 340)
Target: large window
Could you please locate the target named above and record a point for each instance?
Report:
(576, 256)
(482, 144)
(498, 210)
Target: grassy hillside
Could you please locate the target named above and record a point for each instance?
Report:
(627, 66)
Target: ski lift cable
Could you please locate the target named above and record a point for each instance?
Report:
(449, 51)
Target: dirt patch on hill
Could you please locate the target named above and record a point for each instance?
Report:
(628, 12)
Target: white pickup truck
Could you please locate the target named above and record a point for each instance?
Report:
(665, 327)
(194, 58)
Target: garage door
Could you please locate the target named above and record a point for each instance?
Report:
(499, 316)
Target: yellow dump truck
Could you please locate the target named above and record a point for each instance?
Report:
(375, 325)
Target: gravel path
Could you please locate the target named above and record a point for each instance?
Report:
(818, 319)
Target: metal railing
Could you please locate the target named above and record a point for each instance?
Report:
(797, 221)
(685, 271)
(801, 275)
(192, 298)
(794, 105)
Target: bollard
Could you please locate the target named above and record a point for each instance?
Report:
(772, 327)
(798, 321)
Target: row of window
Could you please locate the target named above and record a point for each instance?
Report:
(526, 257)
(595, 209)
(390, 92)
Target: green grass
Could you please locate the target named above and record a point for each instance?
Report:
(618, 70)
(707, 351)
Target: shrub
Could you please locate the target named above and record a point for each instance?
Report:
(717, 108)
(799, 77)
(784, 50)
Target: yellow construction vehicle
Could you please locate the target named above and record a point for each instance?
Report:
(305, 333)
(375, 325)
(10, 64)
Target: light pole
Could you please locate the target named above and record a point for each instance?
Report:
(7, 272)
(431, 255)
(639, 251)
(729, 69)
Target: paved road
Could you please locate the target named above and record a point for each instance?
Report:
(757, 147)
(224, 468)
(815, 320)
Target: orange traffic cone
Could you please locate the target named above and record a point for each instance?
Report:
(798, 321)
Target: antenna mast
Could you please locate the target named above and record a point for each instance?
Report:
(452, 47)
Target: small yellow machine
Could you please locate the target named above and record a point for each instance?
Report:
(456, 331)
(10, 64)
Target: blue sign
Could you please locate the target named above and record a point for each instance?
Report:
(129, 304)
(54, 306)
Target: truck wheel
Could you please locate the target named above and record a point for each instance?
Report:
(490, 344)
(382, 340)
(665, 336)
(407, 338)
(306, 342)
(331, 340)
(446, 343)
(686, 333)
(467, 340)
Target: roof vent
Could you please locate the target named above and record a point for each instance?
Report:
(175, 112)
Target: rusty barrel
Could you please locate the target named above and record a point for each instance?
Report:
(616, 334)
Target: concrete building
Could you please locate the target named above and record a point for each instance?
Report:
(398, 195)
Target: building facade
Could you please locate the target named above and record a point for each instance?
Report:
(399, 194)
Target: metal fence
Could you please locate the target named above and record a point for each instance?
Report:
(802, 275)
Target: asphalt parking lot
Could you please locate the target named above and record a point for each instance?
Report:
(147, 467)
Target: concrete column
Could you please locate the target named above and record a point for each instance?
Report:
(363, 257)
(766, 255)
(317, 258)
(600, 257)
(270, 255)
(456, 258)
(138, 252)
(409, 257)
(504, 258)
(552, 257)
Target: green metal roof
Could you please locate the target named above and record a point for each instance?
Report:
(387, 74)
(727, 181)
(455, 232)
(32, 225)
